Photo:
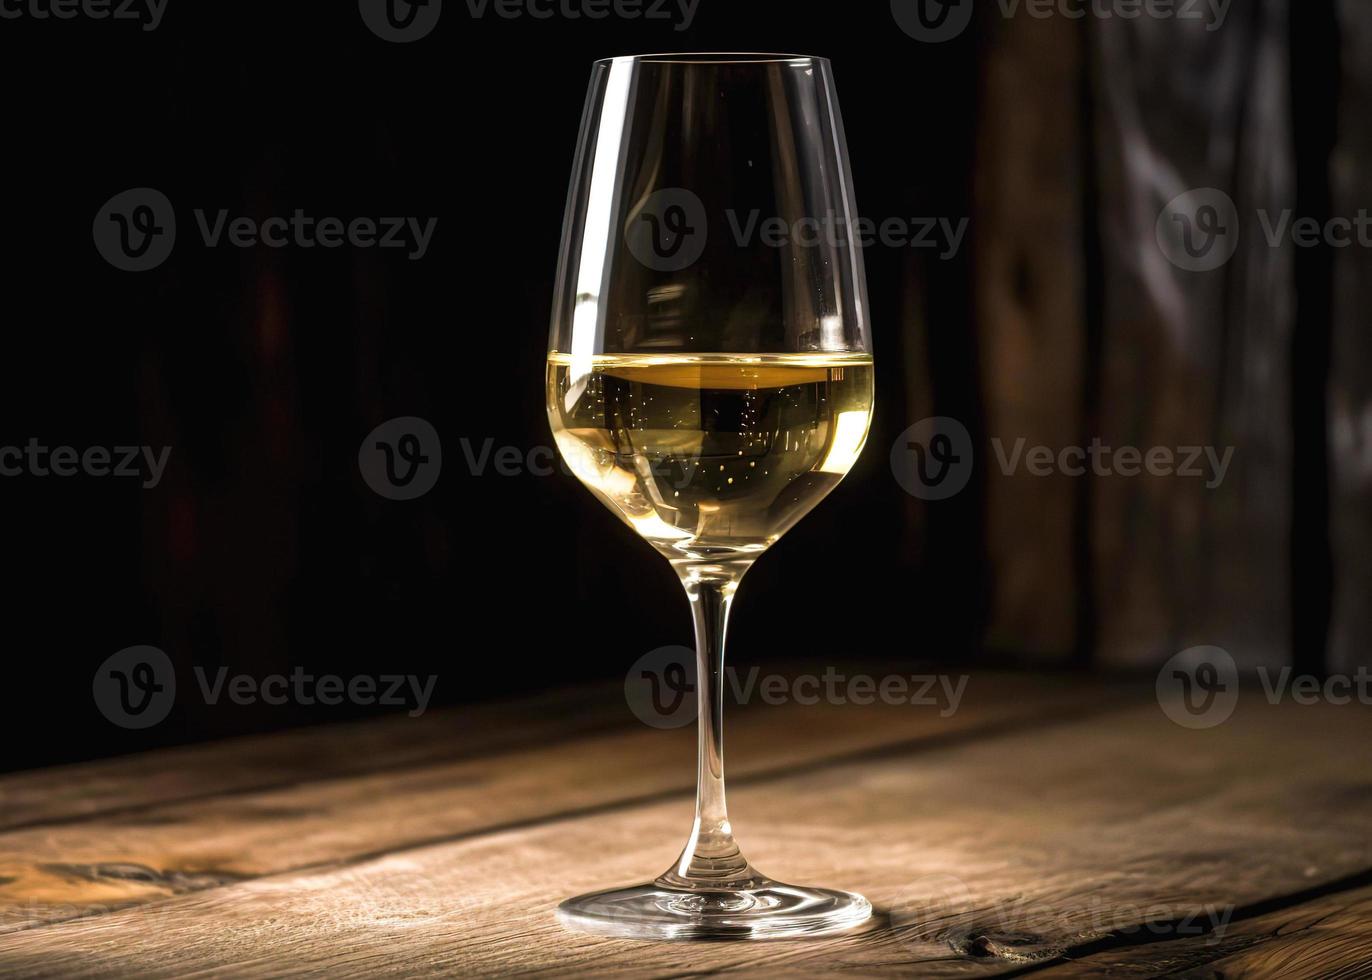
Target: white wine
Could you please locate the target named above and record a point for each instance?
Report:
(710, 457)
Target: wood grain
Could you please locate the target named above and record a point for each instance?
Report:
(61, 793)
(987, 855)
(1030, 324)
(1193, 358)
(533, 767)
(1329, 937)
(1350, 385)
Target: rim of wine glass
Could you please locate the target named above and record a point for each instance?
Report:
(716, 58)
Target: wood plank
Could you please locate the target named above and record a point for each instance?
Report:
(1030, 324)
(1329, 937)
(126, 783)
(1350, 386)
(982, 858)
(1193, 358)
(51, 872)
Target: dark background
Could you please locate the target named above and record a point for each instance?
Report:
(263, 549)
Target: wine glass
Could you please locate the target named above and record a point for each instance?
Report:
(710, 380)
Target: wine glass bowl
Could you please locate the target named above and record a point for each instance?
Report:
(710, 380)
(711, 458)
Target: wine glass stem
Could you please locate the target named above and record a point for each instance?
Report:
(711, 858)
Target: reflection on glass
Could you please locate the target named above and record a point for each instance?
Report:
(710, 380)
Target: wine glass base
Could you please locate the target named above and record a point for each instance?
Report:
(771, 910)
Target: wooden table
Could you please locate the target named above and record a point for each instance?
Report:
(1050, 826)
